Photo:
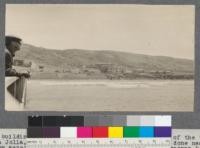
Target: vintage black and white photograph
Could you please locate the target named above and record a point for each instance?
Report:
(99, 57)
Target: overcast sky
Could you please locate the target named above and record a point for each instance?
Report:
(146, 29)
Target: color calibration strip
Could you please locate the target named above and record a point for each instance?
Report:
(102, 127)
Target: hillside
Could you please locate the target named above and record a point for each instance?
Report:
(78, 57)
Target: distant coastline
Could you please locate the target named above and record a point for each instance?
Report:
(64, 76)
(87, 64)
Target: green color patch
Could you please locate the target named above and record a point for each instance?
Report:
(131, 131)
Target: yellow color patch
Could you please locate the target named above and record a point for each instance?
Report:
(115, 132)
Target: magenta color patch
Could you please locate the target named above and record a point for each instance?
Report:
(84, 132)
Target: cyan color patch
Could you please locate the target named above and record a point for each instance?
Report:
(146, 131)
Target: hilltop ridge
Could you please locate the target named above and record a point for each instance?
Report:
(79, 58)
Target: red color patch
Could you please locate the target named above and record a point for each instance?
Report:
(100, 132)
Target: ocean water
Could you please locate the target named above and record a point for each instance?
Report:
(110, 95)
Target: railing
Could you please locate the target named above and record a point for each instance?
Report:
(15, 88)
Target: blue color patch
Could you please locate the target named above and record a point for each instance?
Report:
(146, 131)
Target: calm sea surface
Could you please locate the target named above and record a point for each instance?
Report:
(110, 95)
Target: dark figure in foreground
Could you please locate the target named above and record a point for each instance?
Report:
(13, 44)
